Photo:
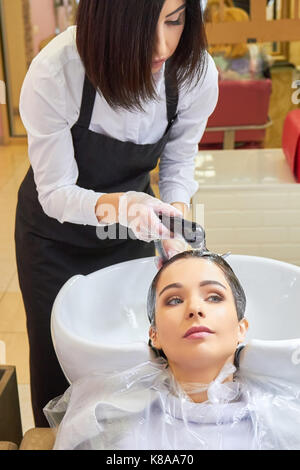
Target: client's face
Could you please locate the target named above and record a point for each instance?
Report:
(193, 293)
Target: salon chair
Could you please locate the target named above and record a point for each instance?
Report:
(241, 115)
(34, 439)
(291, 141)
(11, 435)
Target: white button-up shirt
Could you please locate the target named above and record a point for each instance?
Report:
(50, 104)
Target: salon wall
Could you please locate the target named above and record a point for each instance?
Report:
(2, 109)
(294, 56)
(1, 126)
(16, 56)
(43, 21)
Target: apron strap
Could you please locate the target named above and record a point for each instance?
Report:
(89, 95)
(87, 103)
(171, 95)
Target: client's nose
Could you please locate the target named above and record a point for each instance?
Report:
(194, 314)
(195, 306)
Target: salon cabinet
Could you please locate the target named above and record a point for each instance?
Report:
(10, 417)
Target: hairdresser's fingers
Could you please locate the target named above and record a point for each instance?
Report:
(152, 228)
(147, 227)
(173, 247)
(158, 262)
(167, 209)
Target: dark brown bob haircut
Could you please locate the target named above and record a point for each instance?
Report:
(116, 42)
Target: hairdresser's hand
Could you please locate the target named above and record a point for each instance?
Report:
(172, 248)
(138, 211)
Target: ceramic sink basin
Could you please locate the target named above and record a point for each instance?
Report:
(99, 321)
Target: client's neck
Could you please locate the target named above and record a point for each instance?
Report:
(191, 378)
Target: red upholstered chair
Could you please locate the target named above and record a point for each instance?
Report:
(241, 115)
(291, 141)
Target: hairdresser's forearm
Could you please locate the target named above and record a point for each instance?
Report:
(107, 208)
(182, 207)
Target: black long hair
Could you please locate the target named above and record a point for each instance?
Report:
(116, 40)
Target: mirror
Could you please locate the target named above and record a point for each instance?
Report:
(29, 24)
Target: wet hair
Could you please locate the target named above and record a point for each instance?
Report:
(116, 41)
(234, 283)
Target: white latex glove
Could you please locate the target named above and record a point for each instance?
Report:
(172, 248)
(137, 211)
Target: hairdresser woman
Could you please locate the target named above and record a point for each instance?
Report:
(101, 104)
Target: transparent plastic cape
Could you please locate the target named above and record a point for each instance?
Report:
(145, 408)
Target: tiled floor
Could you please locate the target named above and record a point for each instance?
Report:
(13, 166)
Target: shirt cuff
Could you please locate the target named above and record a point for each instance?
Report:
(89, 205)
(175, 195)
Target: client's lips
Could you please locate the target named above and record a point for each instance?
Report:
(198, 332)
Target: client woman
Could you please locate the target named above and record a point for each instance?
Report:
(193, 395)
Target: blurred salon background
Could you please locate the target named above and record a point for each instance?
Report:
(248, 165)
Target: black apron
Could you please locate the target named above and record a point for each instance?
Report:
(49, 253)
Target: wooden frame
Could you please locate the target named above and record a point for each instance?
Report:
(258, 29)
(7, 138)
(27, 31)
(282, 53)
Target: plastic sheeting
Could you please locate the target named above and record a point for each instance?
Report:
(145, 408)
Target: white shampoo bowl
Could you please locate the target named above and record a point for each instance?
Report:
(99, 321)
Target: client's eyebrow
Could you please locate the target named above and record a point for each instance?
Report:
(180, 286)
(178, 9)
(170, 286)
(206, 283)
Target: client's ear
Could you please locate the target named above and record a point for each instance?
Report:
(243, 327)
(154, 337)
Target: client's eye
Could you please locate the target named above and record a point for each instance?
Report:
(174, 301)
(215, 298)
